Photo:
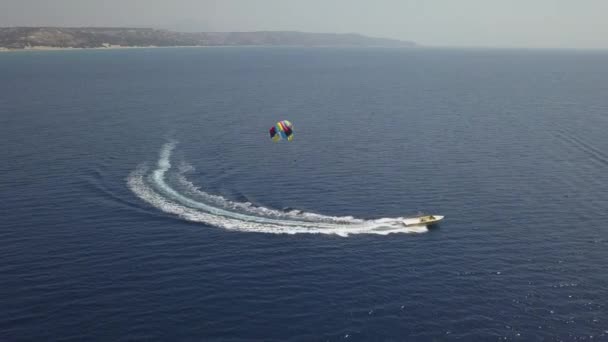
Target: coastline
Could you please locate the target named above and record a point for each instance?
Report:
(119, 47)
(111, 47)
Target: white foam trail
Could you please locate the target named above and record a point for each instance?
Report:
(214, 210)
(249, 208)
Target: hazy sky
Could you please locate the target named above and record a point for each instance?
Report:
(492, 23)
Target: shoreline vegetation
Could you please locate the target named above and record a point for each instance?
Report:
(60, 38)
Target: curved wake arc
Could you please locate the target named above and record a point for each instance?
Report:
(198, 206)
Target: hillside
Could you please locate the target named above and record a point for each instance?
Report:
(26, 37)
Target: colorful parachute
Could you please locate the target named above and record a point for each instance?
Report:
(282, 130)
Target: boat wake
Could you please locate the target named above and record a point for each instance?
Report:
(166, 188)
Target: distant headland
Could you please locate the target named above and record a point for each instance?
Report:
(20, 38)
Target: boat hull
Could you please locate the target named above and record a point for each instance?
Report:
(428, 220)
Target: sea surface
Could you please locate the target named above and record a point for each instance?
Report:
(141, 198)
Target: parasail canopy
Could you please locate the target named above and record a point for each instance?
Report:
(283, 130)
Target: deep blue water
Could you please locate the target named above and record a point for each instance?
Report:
(142, 199)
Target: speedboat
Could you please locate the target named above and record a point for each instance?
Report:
(427, 220)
